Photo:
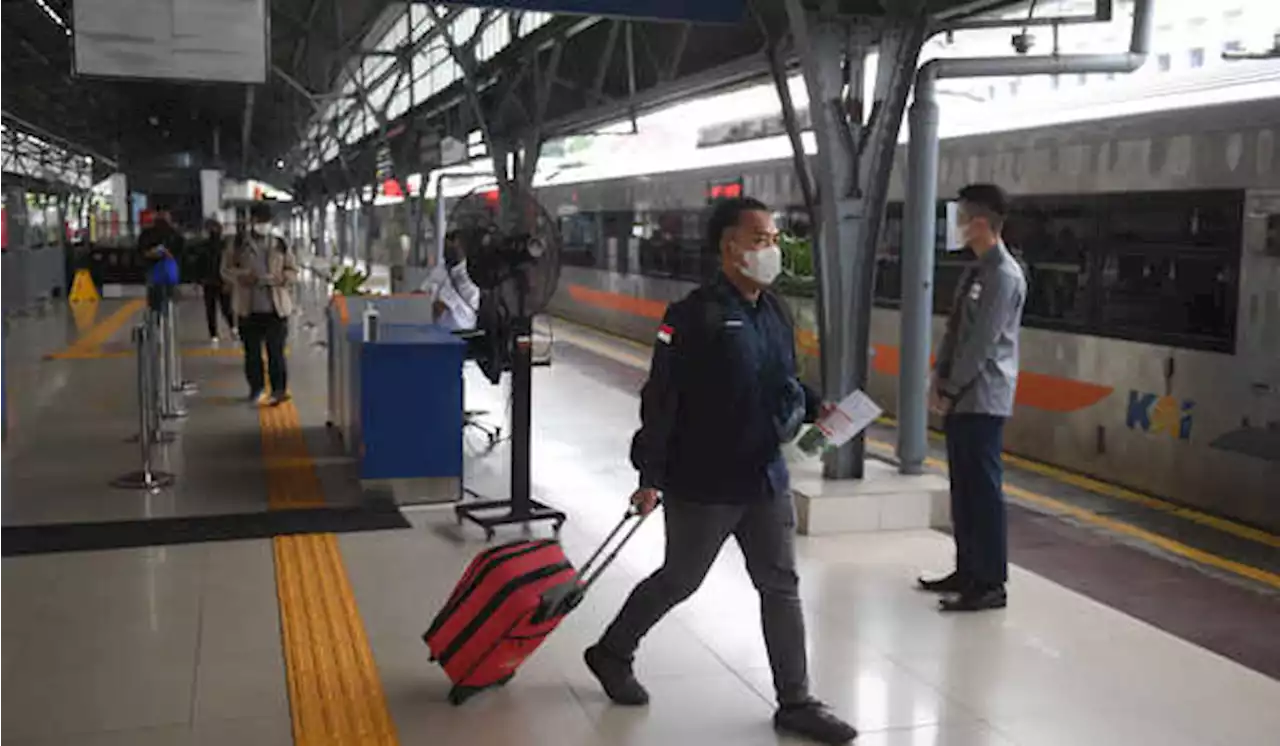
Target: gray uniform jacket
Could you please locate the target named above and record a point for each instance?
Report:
(977, 362)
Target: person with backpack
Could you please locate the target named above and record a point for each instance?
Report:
(261, 273)
(721, 398)
(161, 245)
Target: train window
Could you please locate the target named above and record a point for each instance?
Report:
(1187, 297)
(888, 280)
(1053, 238)
(660, 253)
(580, 238)
(1174, 220)
(1169, 265)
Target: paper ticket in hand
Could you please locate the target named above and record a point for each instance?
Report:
(848, 418)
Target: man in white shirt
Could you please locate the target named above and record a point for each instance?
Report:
(456, 297)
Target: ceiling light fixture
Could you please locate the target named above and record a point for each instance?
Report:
(53, 15)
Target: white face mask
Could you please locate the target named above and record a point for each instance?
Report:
(763, 265)
(261, 229)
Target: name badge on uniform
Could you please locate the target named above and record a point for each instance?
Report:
(975, 291)
(666, 333)
(733, 323)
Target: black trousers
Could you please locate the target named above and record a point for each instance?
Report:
(695, 532)
(216, 297)
(974, 444)
(256, 331)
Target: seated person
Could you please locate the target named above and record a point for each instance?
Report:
(456, 297)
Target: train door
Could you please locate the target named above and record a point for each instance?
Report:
(1258, 318)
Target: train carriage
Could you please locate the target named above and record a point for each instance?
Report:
(1151, 354)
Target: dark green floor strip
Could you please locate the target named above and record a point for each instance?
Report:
(84, 537)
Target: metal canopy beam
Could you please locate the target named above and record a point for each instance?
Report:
(852, 173)
(701, 11)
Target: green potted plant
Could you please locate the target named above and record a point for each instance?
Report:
(797, 265)
(350, 282)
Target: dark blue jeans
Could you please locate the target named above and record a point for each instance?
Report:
(974, 443)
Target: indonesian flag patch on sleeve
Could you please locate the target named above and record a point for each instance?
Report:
(665, 333)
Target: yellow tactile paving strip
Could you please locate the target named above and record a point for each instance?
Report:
(335, 692)
(291, 475)
(90, 343)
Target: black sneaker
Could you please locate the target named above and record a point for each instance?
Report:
(953, 583)
(814, 721)
(976, 599)
(616, 677)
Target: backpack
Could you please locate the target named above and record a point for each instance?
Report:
(165, 270)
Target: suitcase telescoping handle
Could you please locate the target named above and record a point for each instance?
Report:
(564, 598)
(591, 571)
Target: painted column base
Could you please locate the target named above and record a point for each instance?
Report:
(883, 500)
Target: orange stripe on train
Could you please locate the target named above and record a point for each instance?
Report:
(1039, 390)
(649, 309)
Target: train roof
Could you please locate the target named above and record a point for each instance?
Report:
(1218, 117)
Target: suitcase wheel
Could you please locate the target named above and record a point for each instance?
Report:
(460, 694)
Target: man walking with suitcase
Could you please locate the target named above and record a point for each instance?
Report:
(721, 397)
(973, 387)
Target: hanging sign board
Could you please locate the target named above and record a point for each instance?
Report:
(193, 40)
(702, 11)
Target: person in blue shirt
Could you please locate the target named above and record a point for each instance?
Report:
(721, 398)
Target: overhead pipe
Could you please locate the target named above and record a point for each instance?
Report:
(1101, 13)
(921, 207)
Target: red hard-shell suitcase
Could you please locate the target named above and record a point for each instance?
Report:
(509, 599)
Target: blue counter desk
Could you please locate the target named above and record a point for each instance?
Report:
(398, 405)
(344, 314)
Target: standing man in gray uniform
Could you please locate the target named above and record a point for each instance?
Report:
(973, 386)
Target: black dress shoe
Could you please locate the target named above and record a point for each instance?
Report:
(813, 721)
(976, 599)
(616, 677)
(953, 583)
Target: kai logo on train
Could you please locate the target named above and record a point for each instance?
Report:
(1152, 413)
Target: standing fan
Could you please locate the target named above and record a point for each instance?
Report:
(513, 255)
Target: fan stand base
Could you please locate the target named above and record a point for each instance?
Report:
(480, 513)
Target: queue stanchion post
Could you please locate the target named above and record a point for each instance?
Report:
(152, 370)
(159, 394)
(147, 478)
(180, 385)
(173, 408)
